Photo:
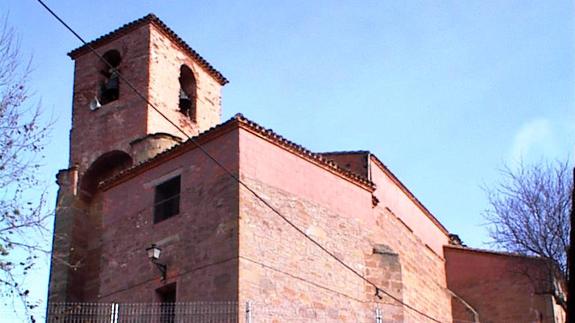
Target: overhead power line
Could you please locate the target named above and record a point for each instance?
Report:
(378, 290)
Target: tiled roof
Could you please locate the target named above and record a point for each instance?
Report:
(346, 152)
(494, 252)
(152, 19)
(358, 164)
(302, 151)
(241, 121)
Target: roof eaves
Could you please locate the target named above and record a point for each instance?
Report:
(494, 252)
(239, 120)
(307, 154)
(346, 152)
(409, 194)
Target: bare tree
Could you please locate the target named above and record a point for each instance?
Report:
(529, 211)
(529, 215)
(22, 139)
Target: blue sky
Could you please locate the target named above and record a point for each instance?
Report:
(443, 92)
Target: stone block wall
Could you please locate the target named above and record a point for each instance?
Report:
(61, 241)
(501, 287)
(407, 228)
(284, 272)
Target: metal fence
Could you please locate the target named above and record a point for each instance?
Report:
(200, 312)
(203, 312)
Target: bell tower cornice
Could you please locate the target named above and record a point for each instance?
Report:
(167, 31)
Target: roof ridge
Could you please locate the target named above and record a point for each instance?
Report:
(408, 192)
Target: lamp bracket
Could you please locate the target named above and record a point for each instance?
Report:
(162, 268)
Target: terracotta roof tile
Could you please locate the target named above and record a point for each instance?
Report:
(346, 152)
(289, 145)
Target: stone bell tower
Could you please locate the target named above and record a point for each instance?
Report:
(152, 92)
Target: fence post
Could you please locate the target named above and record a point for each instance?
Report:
(248, 312)
(378, 316)
(114, 314)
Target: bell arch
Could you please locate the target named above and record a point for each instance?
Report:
(110, 85)
(188, 93)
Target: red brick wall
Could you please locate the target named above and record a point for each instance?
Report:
(150, 63)
(356, 162)
(165, 61)
(199, 245)
(115, 124)
(501, 288)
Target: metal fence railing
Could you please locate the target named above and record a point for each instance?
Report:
(206, 312)
(197, 312)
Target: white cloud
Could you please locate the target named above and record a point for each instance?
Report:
(534, 137)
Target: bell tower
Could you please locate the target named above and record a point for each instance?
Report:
(110, 111)
(150, 91)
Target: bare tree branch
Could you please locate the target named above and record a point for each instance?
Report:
(529, 211)
(23, 136)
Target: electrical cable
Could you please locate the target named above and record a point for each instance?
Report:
(232, 175)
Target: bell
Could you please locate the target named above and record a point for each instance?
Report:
(112, 84)
(111, 89)
(95, 104)
(185, 105)
(185, 102)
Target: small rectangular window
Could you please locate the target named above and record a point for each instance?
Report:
(167, 199)
(167, 298)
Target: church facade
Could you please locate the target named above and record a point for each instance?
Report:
(241, 214)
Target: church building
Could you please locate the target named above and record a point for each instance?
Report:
(165, 211)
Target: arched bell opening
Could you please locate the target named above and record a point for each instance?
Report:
(110, 85)
(188, 93)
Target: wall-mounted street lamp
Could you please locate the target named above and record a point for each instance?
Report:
(154, 254)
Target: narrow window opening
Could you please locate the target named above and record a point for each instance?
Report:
(167, 299)
(167, 200)
(187, 96)
(110, 86)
